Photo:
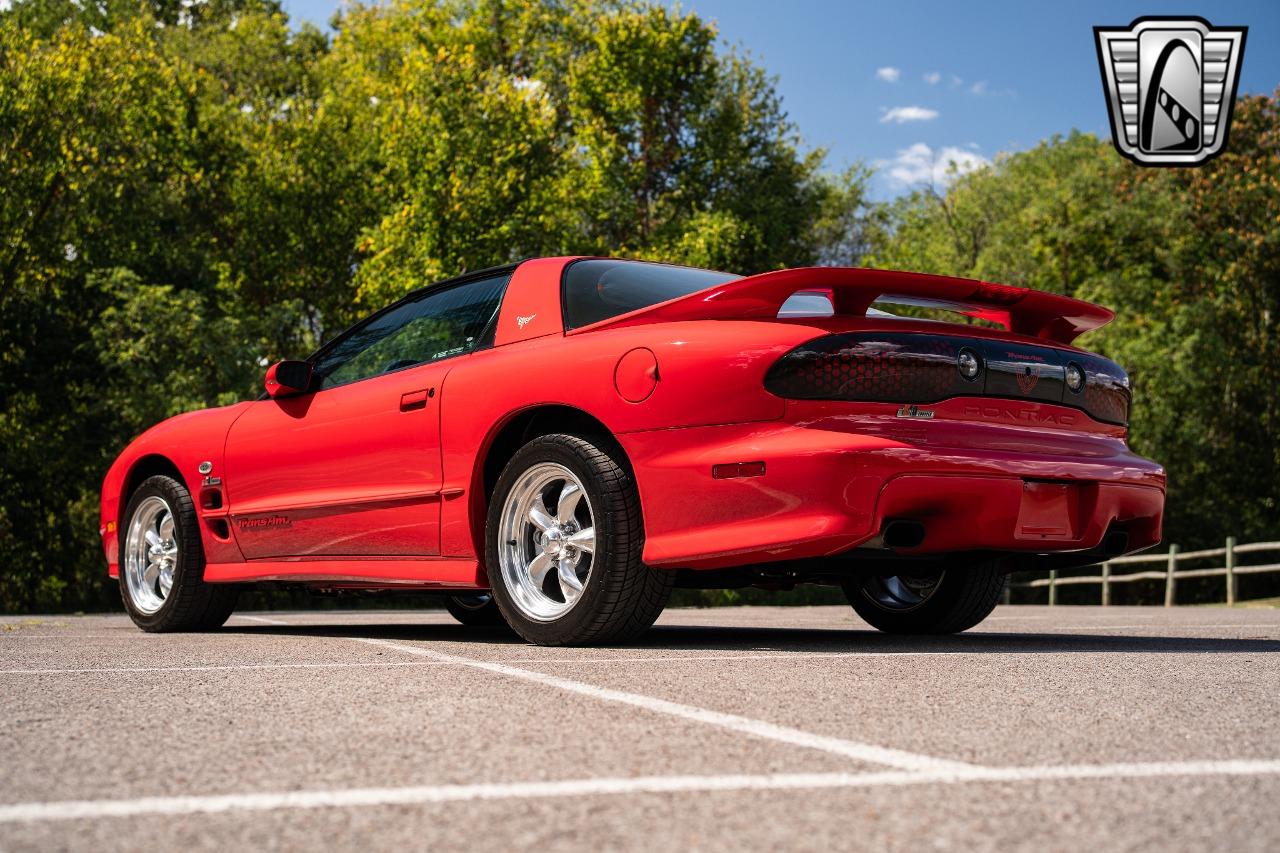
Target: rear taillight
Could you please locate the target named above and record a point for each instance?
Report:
(882, 368)
(918, 368)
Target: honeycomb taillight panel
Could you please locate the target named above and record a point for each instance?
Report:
(922, 368)
(883, 368)
(1106, 394)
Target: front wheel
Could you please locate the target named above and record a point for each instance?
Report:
(564, 539)
(162, 563)
(935, 601)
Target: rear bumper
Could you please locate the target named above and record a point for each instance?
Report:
(828, 490)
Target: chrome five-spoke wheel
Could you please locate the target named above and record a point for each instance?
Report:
(151, 554)
(547, 541)
(564, 542)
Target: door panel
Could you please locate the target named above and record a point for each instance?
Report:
(350, 471)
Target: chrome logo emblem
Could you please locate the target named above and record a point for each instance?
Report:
(1170, 85)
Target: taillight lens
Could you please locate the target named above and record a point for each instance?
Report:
(1075, 378)
(881, 368)
(922, 368)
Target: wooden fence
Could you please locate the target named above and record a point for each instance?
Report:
(1170, 574)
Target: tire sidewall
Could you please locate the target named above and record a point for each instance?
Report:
(932, 616)
(486, 615)
(917, 620)
(606, 558)
(189, 567)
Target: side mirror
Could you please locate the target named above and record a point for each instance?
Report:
(287, 378)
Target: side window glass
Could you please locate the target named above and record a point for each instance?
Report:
(436, 325)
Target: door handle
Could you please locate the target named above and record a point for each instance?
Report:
(416, 399)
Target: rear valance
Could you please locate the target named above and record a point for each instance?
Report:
(1021, 310)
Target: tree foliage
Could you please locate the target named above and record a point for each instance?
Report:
(189, 191)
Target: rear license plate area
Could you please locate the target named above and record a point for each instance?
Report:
(1049, 510)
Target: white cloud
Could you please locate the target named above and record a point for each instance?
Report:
(932, 78)
(920, 165)
(956, 81)
(888, 74)
(979, 88)
(898, 115)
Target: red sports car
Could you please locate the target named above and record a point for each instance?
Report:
(558, 443)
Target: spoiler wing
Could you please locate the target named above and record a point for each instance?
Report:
(1021, 310)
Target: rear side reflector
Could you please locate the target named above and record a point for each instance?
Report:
(921, 368)
(733, 470)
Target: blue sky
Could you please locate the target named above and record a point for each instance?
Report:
(907, 86)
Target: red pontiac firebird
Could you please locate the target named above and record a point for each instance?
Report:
(558, 443)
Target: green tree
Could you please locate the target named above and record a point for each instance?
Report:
(191, 190)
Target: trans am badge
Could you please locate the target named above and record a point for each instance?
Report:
(1170, 85)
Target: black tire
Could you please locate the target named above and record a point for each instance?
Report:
(191, 604)
(621, 596)
(962, 597)
(475, 610)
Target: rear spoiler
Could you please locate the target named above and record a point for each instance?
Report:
(1021, 310)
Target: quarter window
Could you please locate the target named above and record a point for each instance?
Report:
(599, 289)
(437, 324)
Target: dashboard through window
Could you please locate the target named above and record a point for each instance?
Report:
(596, 290)
(437, 324)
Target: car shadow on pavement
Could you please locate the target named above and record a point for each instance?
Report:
(763, 640)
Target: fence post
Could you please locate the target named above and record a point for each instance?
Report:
(1106, 583)
(1231, 570)
(1170, 578)
(1053, 587)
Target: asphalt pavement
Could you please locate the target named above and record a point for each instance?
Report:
(1063, 728)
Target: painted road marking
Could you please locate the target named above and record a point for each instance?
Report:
(732, 722)
(90, 670)
(264, 620)
(429, 794)
(217, 668)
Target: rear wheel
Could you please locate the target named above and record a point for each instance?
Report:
(564, 539)
(941, 601)
(162, 563)
(475, 610)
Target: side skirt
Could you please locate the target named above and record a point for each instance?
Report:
(421, 572)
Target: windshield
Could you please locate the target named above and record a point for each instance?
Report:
(596, 290)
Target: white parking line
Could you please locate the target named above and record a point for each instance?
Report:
(554, 661)
(428, 794)
(217, 667)
(264, 620)
(732, 722)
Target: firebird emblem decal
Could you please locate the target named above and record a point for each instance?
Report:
(524, 321)
(1029, 378)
